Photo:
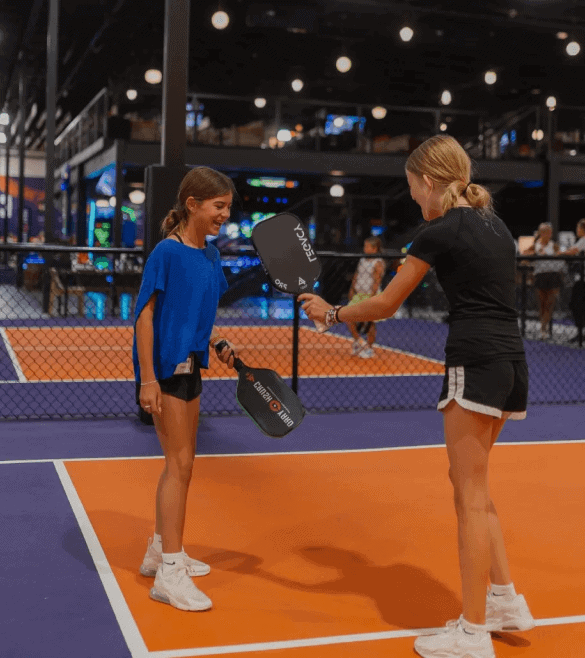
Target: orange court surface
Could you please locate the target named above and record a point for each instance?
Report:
(98, 353)
(337, 554)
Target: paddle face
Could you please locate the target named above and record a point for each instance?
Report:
(266, 398)
(269, 402)
(283, 244)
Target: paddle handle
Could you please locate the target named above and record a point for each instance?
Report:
(238, 363)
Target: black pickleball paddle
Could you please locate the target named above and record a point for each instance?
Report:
(283, 244)
(266, 398)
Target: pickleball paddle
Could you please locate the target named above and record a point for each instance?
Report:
(285, 250)
(266, 398)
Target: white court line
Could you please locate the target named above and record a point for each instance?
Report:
(282, 454)
(228, 378)
(68, 381)
(13, 357)
(323, 641)
(129, 627)
(121, 610)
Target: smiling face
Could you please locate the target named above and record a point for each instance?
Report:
(207, 217)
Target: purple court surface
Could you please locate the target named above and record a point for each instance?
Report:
(54, 603)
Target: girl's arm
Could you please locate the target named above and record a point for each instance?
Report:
(145, 340)
(389, 300)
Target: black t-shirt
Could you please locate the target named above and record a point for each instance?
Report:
(474, 256)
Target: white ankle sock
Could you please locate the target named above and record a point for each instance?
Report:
(506, 591)
(172, 559)
(473, 629)
(157, 542)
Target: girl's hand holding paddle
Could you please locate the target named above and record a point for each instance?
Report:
(151, 397)
(226, 353)
(314, 306)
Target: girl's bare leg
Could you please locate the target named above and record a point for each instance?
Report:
(176, 429)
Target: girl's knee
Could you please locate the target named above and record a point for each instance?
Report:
(180, 467)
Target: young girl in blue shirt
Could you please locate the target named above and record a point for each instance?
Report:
(174, 330)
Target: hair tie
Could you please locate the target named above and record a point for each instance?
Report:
(465, 190)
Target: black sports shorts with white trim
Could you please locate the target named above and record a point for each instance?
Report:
(498, 389)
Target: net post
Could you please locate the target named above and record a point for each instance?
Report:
(295, 346)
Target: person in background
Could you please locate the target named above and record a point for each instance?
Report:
(366, 283)
(174, 331)
(577, 303)
(548, 276)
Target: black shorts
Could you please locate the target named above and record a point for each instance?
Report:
(548, 280)
(184, 387)
(497, 389)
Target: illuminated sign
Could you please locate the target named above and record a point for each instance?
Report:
(259, 216)
(273, 183)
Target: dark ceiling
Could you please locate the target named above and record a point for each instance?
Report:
(112, 42)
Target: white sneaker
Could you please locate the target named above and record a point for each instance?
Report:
(173, 585)
(367, 353)
(455, 642)
(358, 345)
(503, 614)
(153, 559)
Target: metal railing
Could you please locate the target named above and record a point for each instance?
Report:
(73, 359)
(85, 129)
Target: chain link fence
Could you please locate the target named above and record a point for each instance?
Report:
(66, 330)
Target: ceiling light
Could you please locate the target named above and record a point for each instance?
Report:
(406, 33)
(336, 190)
(283, 135)
(446, 97)
(153, 76)
(573, 152)
(220, 20)
(137, 197)
(338, 122)
(573, 48)
(537, 135)
(4, 119)
(297, 84)
(131, 94)
(562, 35)
(443, 127)
(551, 102)
(299, 127)
(343, 64)
(379, 112)
(490, 77)
(260, 102)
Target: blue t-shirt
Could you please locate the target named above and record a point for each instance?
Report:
(190, 283)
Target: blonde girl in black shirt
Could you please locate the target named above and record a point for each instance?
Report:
(486, 378)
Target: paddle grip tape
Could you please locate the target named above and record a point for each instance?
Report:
(219, 348)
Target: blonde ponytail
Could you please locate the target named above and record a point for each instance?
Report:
(445, 162)
(475, 195)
